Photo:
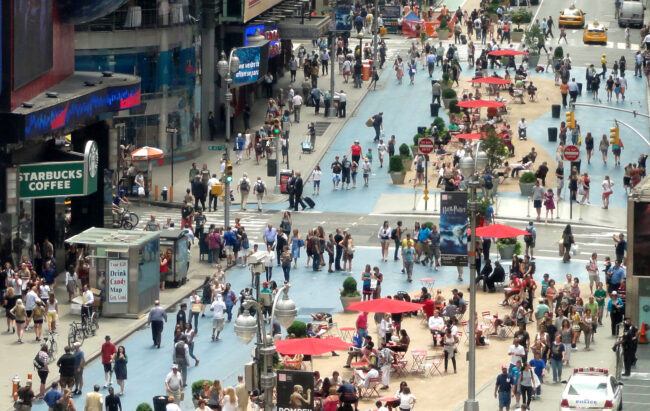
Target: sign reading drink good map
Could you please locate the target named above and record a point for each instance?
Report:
(118, 281)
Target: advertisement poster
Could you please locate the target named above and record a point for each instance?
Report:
(390, 14)
(453, 228)
(641, 252)
(253, 62)
(32, 22)
(343, 19)
(295, 390)
(118, 281)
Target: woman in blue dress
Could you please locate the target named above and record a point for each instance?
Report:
(296, 243)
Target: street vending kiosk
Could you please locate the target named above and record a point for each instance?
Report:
(174, 244)
(124, 266)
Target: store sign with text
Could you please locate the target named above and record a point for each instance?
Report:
(118, 281)
(453, 228)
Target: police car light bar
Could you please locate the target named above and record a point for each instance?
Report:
(591, 370)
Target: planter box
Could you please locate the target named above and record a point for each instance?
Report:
(398, 178)
(526, 189)
(507, 251)
(408, 163)
(346, 301)
(443, 34)
(445, 101)
(516, 36)
(533, 61)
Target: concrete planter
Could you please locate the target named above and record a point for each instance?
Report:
(346, 301)
(526, 189)
(533, 60)
(398, 178)
(507, 251)
(446, 101)
(443, 34)
(516, 36)
(408, 163)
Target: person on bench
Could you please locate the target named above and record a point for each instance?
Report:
(498, 276)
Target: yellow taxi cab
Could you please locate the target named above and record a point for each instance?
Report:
(595, 33)
(572, 17)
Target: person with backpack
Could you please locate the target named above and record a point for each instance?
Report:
(260, 189)
(244, 188)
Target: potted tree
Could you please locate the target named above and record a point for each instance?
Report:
(534, 37)
(414, 147)
(526, 183)
(143, 406)
(298, 329)
(405, 154)
(508, 247)
(349, 294)
(558, 54)
(519, 17)
(396, 170)
(448, 94)
(453, 106)
(443, 30)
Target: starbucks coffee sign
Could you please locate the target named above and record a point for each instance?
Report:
(60, 179)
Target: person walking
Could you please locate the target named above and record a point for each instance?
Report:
(120, 367)
(79, 364)
(174, 384)
(94, 400)
(607, 185)
(182, 357)
(557, 354)
(260, 190)
(108, 351)
(157, 318)
(242, 394)
(218, 307)
(298, 190)
(629, 342)
(66, 368)
(112, 401)
(504, 389)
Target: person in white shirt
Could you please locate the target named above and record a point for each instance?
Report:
(297, 105)
(244, 188)
(87, 302)
(381, 149)
(174, 384)
(516, 352)
(44, 290)
(316, 176)
(268, 262)
(219, 308)
(436, 325)
(522, 126)
(30, 302)
(406, 399)
(592, 270)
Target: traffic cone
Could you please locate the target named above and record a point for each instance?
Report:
(643, 339)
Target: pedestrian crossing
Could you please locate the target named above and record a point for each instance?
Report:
(577, 42)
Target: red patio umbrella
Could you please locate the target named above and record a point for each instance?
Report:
(480, 103)
(507, 52)
(310, 346)
(491, 80)
(470, 136)
(384, 305)
(499, 231)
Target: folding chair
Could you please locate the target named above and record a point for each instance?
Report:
(399, 364)
(487, 317)
(460, 335)
(432, 364)
(466, 328)
(371, 390)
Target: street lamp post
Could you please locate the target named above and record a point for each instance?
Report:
(226, 69)
(470, 168)
(246, 327)
(332, 110)
(375, 32)
(360, 37)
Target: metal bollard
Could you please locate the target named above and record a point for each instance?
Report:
(528, 207)
(435, 203)
(415, 194)
(496, 204)
(580, 212)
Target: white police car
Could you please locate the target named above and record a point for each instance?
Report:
(592, 388)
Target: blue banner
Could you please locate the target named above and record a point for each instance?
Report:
(343, 19)
(249, 65)
(453, 228)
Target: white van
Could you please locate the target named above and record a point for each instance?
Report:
(631, 14)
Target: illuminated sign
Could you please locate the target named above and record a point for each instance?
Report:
(249, 65)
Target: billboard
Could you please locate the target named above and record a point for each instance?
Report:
(343, 19)
(295, 390)
(32, 46)
(453, 228)
(390, 15)
(641, 252)
(118, 281)
(253, 8)
(253, 63)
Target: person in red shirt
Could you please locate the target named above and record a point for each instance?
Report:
(513, 288)
(428, 307)
(362, 325)
(108, 352)
(355, 151)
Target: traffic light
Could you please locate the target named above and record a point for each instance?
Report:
(570, 119)
(228, 172)
(613, 138)
(276, 127)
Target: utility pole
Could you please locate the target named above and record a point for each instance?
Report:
(332, 110)
(208, 92)
(375, 34)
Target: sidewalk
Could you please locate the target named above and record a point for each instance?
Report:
(327, 128)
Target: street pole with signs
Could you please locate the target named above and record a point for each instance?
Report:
(172, 133)
(226, 69)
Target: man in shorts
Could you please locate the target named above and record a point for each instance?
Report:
(336, 173)
(592, 270)
(229, 239)
(538, 195)
(530, 238)
(66, 369)
(503, 388)
(79, 364)
(108, 353)
(219, 308)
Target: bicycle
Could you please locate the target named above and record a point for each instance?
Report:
(127, 219)
(52, 347)
(76, 333)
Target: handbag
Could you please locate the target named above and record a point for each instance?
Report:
(574, 249)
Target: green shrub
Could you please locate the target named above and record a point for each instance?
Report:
(395, 164)
(144, 407)
(533, 37)
(417, 138)
(558, 53)
(445, 78)
(439, 123)
(298, 328)
(453, 106)
(509, 241)
(527, 177)
(495, 149)
(428, 224)
(404, 150)
(350, 287)
(444, 23)
(449, 93)
(521, 16)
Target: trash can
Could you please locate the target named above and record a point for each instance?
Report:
(160, 403)
(435, 107)
(285, 176)
(555, 110)
(552, 134)
(271, 167)
(579, 89)
(422, 129)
